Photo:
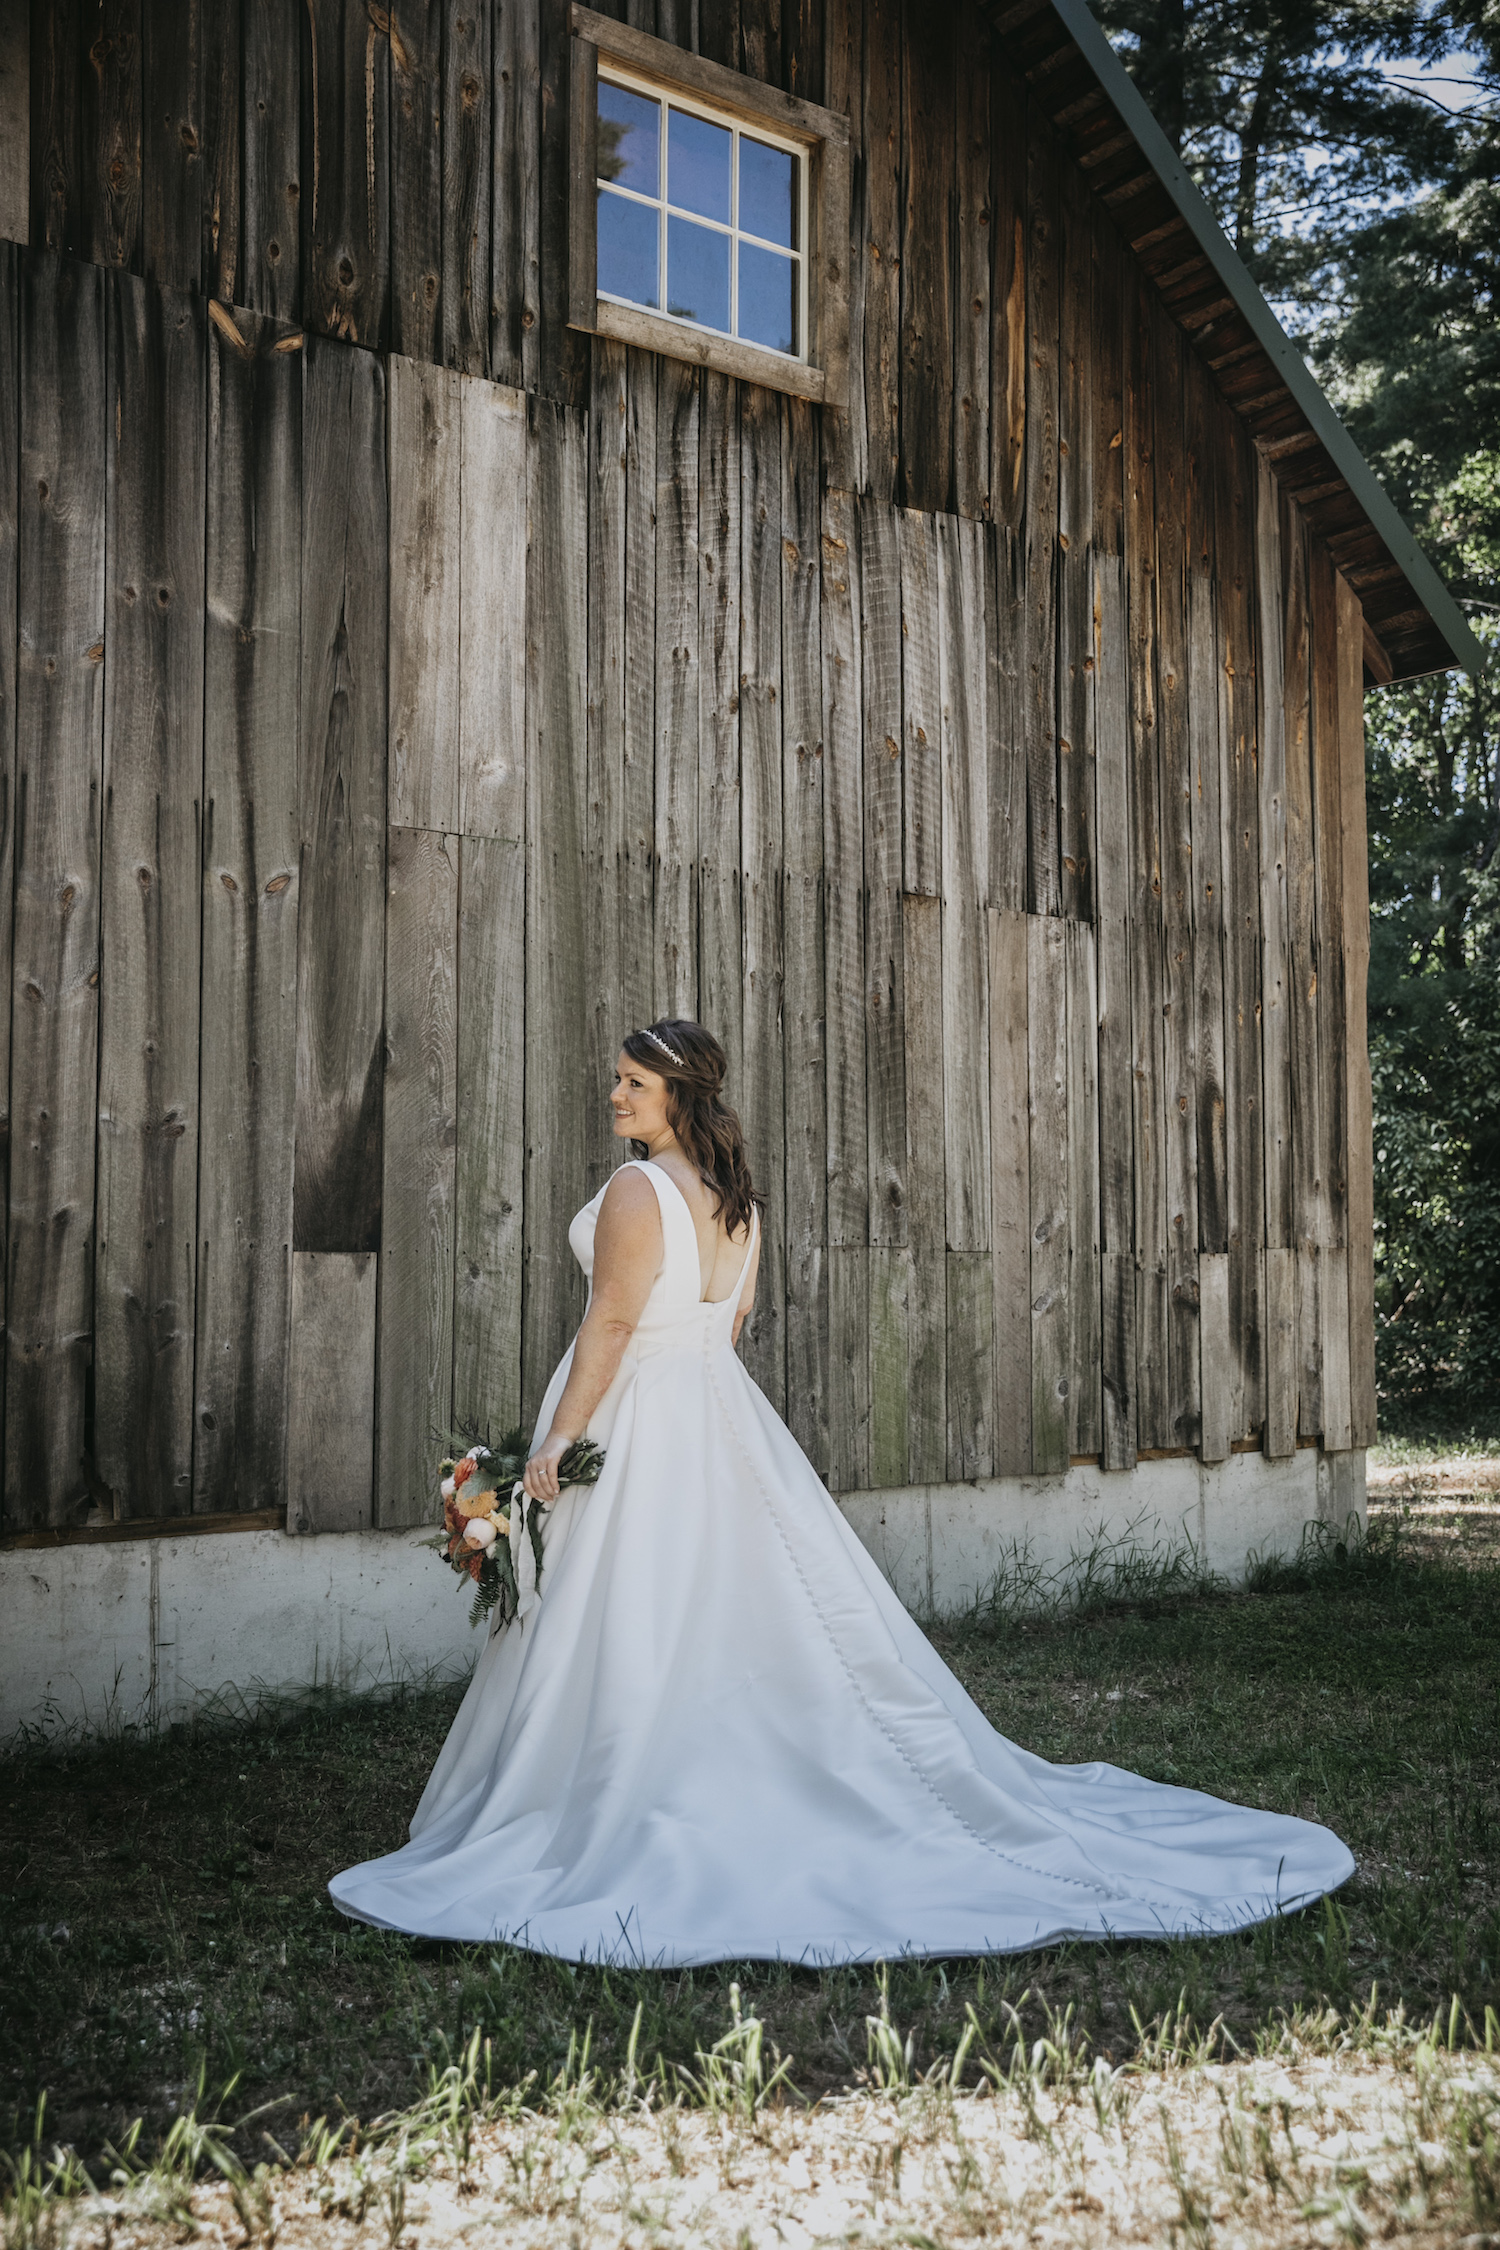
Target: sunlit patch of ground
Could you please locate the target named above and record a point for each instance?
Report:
(1341, 2134)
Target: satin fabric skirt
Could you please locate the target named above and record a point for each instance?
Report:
(719, 1736)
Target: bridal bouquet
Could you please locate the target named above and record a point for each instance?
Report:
(477, 1520)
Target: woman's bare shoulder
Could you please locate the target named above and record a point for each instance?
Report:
(630, 1197)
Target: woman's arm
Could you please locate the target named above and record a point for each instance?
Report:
(628, 1248)
(747, 1288)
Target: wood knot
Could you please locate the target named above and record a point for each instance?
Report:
(276, 885)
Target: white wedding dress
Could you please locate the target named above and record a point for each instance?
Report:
(718, 1735)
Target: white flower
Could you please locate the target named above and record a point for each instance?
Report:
(447, 1488)
(481, 1532)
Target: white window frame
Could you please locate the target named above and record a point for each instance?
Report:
(634, 82)
(818, 369)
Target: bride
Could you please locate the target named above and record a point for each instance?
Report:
(715, 1734)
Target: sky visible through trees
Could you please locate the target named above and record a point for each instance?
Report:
(1351, 151)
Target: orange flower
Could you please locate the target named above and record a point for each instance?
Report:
(475, 1567)
(477, 1503)
(452, 1519)
(463, 1470)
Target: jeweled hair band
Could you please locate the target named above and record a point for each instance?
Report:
(657, 1041)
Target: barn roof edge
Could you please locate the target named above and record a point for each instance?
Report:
(1381, 513)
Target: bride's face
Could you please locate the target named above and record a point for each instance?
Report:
(638, 1099)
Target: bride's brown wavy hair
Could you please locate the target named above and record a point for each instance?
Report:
(708, 1130)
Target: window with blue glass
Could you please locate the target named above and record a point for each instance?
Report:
(701, 218)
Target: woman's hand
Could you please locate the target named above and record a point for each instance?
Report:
(539, 1477)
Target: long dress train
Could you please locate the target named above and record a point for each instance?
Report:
(718, 1735)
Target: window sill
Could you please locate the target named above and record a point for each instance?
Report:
(623, 324)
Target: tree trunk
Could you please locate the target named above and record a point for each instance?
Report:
(1252, 141)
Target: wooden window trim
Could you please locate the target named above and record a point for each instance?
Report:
(823, 376)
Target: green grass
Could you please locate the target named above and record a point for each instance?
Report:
(163, 1917)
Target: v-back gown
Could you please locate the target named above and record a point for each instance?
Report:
(718, 1735)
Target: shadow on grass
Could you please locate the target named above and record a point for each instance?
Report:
(163, 1915)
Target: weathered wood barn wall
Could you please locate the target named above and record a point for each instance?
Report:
(406, 694)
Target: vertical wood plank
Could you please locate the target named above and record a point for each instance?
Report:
(964, 837)
(849, 1388)
(636, 1004)
(556, 777)
(921, 708)
(1206, 815)
(881, 648)
(605, 795)
(346, 205)
(174, 37)
(1107, 381)
(562, 362)
(881, 262)
(973, 257)
(1047, 1041)
(488, 1183)
(1271, 723)
(414, 1344)
(1357, 1101)
(1116, 1105)
(762, 1098)
(150, 892)
(426, 498)
(1075, 485)
(803, 937)
(1010, 1189)
(969, 1350)
(1005, 652)
(55, 47)
(927, 1318)
(1309, 1216)
(1213, 1332)
(1043, 228)
(221, 104)
(1234, 513)
(417, 85)
(1085, 1410)
(342, 800)
(843, 858)
(515, 237)
(845, 448)
(60, 620)
(467, 139)
(1328, 863)
(1147, 942)
(331, 1448)
(15, 121)
(1179, 1012)
(270, 264)
(248, 1078)
(110, 136)
(1280, 1434)
(677, 688)
(1007, 140)
(491, 594)
(720, 945)
(890, 1365)
(11, 261)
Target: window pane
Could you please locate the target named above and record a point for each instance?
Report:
(627, 143)
(768, 298)
(628, 241)
(768, 192)
(697, 274)
(698, 165)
